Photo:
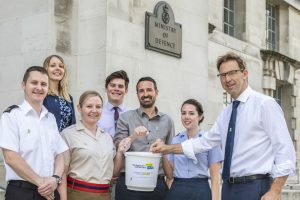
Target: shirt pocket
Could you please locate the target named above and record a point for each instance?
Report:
(51, 137)
(29, 140)
(83, 150)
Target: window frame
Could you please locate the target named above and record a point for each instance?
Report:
(229, 23)
(272, 28)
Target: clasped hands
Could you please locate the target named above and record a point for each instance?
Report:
(47, 187)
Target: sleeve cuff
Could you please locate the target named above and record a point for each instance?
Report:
(9, 147)
(187, 148)
(284, 169)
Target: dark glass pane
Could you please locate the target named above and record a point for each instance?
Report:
(231, 31)
(225, 15)
(226, 3)
(273, 25)
(269, 37)
(231, 18)
(273, 11)
(270, 23)
(225, 28)
(231, 4)
(275, 94)
(273, 38)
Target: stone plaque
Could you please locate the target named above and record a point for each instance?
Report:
(162, 33)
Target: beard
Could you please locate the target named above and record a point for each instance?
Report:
(149, 104)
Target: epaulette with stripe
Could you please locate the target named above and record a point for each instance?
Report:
(10, 108)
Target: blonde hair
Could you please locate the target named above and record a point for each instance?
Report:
(63, 83)
(84, 96)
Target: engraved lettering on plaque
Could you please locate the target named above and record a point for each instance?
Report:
(162, 33)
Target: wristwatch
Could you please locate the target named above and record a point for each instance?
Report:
(58, 179)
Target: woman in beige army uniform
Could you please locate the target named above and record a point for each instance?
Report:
(89, 161)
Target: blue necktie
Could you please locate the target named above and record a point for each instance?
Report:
(230, 142)
(116, 115)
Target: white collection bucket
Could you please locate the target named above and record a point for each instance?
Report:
(141, 170)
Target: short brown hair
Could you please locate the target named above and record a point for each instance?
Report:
(87, 94)
(31, 69)
(117, 74)
(229, 57)
(146, 78)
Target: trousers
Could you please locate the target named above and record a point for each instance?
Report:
(252, 190)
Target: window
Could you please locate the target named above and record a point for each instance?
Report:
(277, 94)
(271, 29)
(229, 17)
(226, 99)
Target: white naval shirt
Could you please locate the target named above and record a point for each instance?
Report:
(35, 138)
(262, 142)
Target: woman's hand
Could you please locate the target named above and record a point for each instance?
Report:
(124, 145)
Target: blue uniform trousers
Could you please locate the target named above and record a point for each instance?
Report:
(252, 190)
(159, 192)
(189, 189)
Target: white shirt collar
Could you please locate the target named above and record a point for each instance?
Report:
(245, 95)
(110, 106)
(81, 127)
(26, 107)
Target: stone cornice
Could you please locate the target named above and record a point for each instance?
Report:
(273, 55)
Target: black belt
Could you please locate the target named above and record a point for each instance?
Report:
(22, 184)
(190, 179)
(246, 179)
(160, 176)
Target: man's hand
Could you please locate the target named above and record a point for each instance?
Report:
(270, 195)
(275, 190)
(141, 131)
(158, 147)
(50, 197)
(46, 189)
(124, 145)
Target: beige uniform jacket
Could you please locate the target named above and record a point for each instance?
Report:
(90, 158)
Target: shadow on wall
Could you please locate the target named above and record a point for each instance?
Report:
(63, 16)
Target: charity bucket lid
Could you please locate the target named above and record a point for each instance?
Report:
(143, 154)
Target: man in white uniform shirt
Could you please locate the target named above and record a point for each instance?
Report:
(31, 144)
(259, 153)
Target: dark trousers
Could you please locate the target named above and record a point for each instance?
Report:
(159, 192)
(189, 189)
(23, 190)
(252, 190)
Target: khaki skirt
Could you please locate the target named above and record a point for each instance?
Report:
(74, 194)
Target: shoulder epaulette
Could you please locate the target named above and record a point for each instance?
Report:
(10, 108)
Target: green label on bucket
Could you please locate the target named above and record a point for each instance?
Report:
(145, 166)
(149, 166)
(144, 170)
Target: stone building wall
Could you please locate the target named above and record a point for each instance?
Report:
(97, 37)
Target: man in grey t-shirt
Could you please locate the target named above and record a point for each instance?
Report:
(136, 131)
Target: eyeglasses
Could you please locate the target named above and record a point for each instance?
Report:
(230, 73)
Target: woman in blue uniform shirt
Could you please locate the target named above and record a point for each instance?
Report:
(190, 180)
(59, 101)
